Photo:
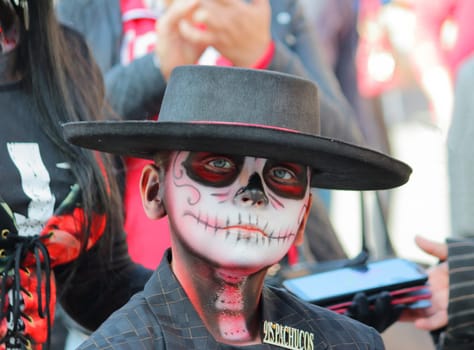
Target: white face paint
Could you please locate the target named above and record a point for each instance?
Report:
(240, 212)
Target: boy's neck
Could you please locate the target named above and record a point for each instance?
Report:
(228, 301)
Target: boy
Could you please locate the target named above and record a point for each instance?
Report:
(236, 152)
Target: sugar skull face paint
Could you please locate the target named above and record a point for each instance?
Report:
(235, 211)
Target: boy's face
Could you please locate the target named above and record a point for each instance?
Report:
(235, 211)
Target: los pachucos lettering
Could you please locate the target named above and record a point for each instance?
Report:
(287, 337)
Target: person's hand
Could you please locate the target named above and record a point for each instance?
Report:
(238, 29)
(436, 316)
(172, 49)
(376, 311)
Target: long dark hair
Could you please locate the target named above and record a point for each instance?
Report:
(67, 85)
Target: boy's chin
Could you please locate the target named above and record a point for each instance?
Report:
(245, 265)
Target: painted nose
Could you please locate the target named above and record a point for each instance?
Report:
(252, 194)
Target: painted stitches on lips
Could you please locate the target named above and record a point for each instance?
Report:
(245, 230)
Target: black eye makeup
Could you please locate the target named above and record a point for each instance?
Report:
(287, 180)
(211, 169)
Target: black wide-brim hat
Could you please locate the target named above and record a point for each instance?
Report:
(246, 112)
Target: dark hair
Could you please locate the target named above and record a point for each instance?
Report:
(67, 85)
(6, 18)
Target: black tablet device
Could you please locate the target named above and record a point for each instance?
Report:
(342, 284)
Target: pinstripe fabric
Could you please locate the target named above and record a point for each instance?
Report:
(162, 317)
(460, 330)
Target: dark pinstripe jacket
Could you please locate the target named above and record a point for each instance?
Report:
(162, 317)
(459, 333)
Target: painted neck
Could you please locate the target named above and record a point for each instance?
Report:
(228, 301)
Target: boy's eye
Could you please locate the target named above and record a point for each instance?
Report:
(283, 174)
(221, 163)
(287, 180)
(212, 169)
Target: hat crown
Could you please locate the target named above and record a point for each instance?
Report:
(209, 94)
(245, 112)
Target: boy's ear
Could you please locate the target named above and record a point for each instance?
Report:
(300, 234)
(150, 192)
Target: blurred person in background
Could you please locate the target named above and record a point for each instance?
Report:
(443, 40)
(345, 30)
(443, 55)
(335, 24)
(451, 315)
(60, 217)
(460, 154)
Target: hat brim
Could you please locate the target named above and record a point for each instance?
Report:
(335, 164)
